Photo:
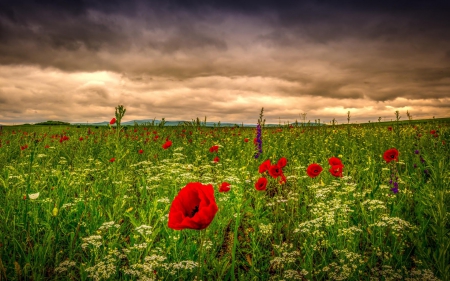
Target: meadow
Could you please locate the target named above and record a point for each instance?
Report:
(86, 203)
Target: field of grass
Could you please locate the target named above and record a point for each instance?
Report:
(93, 204)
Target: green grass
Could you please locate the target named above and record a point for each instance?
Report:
(102, 220)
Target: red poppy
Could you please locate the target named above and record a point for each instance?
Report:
(334, 161)
(194, 207)
(214, 148)
(167, 144)
(390, 155)
(283, 179)
(389, 128)
(282, 162)
(264, 166)
(275, 171)
(433, 132)
(224, 187)
(112, 121)
(216, 159)
(313, 170)
(63, 139)
(336, 170)
(47, 146)
(141, 151)
(23, 147)
(112, 159)
(261, 184)
(81, 138)
(246, 140)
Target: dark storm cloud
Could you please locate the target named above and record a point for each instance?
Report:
(191, 58)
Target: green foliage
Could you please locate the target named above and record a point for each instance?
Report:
(100, 220)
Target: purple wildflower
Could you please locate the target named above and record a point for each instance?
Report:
(258, 141)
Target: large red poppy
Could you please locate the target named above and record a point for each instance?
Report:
(112, 121)
(275, 171)
(314, 170)
(261, 184)
(194, 207)
(334, 161)
(264, 166)
(390, 155)
(282, 162)
(336, 170)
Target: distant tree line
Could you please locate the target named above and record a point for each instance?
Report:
(50, 122)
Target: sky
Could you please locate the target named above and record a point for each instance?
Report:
(75, 61)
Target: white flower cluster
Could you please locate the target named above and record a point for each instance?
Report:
(349, 232)
(144, 230)
(347, 265)
(163, 200)
(290, 274)
(183, 265)
(396, 224)
(102, 270)
(207, 244)
(265, 229)
(373, 204)
(94, 240)
(139, 246)
(287, 255)
(64, 266)
(108, 225)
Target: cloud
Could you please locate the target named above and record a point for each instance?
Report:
(183, 59)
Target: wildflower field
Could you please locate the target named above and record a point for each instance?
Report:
(294, 202)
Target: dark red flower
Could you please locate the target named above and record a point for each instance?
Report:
(194, 207)
(224, 187)
(216, 159)
(313, 170)
(261, 184)
(275, 171)
(81, 138)
(246, 140)
(112, 121)
(389, 128)
(390, 155)
(433, 132)
(167, 144)
(112, 159)
(141, 151)
(334, 161)
(282, 162)
(264, 166)
(336, 170)
(23, 147)
(47, 146)
(214, 148)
